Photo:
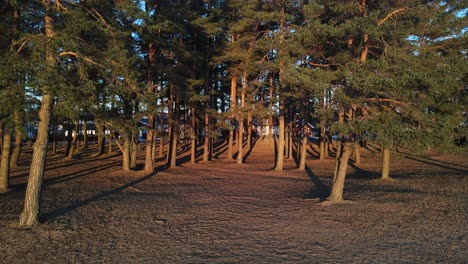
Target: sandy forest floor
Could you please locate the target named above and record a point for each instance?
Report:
(222, 212)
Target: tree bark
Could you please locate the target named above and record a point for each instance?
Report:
(249, 129)
(75, 141)
(85, 134)
(280, 154)
(6, 155)
(134, 149)
(193, 146)
(270, 111)
(175, 136)
(206, 145)
(302, 162)
(18, 141)
(385, 163)
(336, 194)
(30, 214)
(149, 151)
(126, 151)
(240, 151)
(101, 130)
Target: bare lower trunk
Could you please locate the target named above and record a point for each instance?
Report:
(193, 145)
(126, 155)
(15, 156)
(29, 216)
(385, 163)
(233, 110)
(149, 151)
(230, 143)
(290, 142)
(5, 165)
(240, 140)
(249, 130)
(280, 154)
(134, 149)
(173, 146)
(74, 142)
(206, 145)
(101, 138)
(336, 194)
(302, 162)
(357, 154)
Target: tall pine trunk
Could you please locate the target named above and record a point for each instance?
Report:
(175, 135)
(280, 151)
(30, 213)
(29, 216)
(336, 194)
(385, 175)
(149, 150)
(6, 155)
(18, 141)
(193, 134)
(74, 141)
(303, 155)
(101, 130)
(206, 141)
(270, 112)
(240, 153)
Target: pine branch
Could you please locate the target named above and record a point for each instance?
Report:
(390, 15)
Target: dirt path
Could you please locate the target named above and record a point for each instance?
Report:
(222, 212)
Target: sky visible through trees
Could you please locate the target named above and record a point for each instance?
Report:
(195, 72)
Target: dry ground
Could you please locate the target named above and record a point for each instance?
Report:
(222, 212)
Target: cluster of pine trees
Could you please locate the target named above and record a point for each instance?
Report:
(393, 72)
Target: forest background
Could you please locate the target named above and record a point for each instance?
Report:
(389, 72)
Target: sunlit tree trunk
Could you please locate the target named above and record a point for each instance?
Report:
(270, 111)
(149, 150)
(206, 145)
(126, 151)
(175, 136)
(249, 129)
(336, 194)
(302, 162)
(385, 163)
(74, 141)
(280, 154)
(30, 213)
(193, 135)
(240, 152)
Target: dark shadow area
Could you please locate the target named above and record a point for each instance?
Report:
(64, 210)
(320, 191)
(362, 174)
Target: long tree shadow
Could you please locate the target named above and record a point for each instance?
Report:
(21, 187)
(246, 156)
(433, 162)
(321, 191)
(361, 173)
(64, 210)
